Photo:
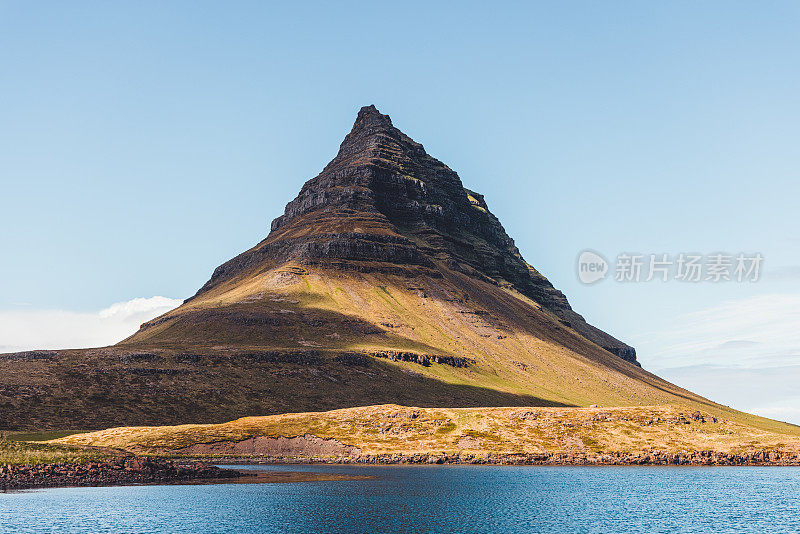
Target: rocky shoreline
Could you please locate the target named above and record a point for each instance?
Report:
(135, 470)
(131, 470)
(697, 458)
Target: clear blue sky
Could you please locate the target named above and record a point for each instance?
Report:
(144, 143)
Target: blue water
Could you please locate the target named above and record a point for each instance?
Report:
(433, 499)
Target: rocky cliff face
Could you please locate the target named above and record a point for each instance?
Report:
(384, 204)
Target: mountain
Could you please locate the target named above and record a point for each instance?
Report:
(384, 206)
(384, 281)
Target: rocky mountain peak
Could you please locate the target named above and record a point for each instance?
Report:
(370, 116)
(383, 204)
(374, 138)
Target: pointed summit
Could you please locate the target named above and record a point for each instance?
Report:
(370, 116)
(373, 136)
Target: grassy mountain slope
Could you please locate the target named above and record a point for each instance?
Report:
(505, 342)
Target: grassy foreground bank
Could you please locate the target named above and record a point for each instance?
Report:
(394, 429)
(26, 453)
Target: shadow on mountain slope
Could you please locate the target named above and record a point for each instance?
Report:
(100, 388)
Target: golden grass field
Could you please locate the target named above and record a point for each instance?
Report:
(29, 453)
(390, 429)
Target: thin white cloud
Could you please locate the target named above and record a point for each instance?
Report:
(787, 410)
(769, 392)
(760, 331)
(744, 353)
(787, 272)
(63, 329)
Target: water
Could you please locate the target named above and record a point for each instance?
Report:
(433, 499)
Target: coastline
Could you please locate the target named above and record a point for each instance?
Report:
(119, 471)
(144, 470)
(649, 458)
